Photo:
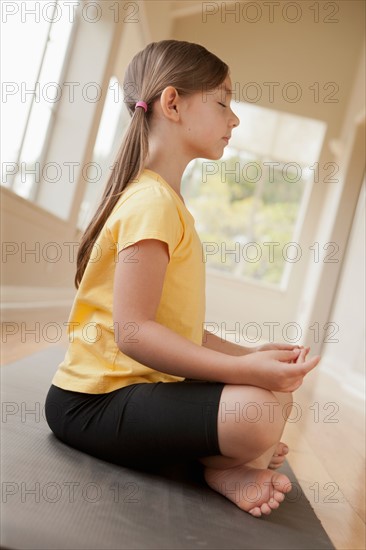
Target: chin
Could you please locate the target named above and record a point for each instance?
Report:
(212, 156)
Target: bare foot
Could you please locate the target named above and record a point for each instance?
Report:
(255, 491)
(278, 456)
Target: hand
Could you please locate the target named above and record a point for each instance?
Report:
(272, 346)
(275, 370)
(302, 355)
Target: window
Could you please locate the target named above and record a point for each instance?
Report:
(37, 45)
(247, 205)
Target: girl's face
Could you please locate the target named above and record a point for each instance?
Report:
(208, 122)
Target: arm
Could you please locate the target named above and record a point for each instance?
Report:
(211, 341)
(137, 291)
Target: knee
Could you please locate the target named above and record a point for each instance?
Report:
(250, 416)
(285, 400)
(254, 407)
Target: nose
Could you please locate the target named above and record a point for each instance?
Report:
(235, 119)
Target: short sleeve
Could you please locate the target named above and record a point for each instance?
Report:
(146, 213)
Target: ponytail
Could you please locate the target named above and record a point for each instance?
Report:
(128, 166)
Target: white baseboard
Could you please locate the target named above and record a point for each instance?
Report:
(350, 381)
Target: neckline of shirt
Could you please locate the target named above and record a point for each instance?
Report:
(159, 178)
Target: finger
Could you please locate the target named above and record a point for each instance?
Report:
(286, 355)
(285, 346)
(310, 364)
(288, 346)
(301, 357)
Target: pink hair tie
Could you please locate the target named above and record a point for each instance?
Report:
(141, 104)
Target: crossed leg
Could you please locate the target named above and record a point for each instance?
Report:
(251, 448)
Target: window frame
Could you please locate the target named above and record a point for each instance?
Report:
(34, 192)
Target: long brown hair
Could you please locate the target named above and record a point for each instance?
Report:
(186, 66)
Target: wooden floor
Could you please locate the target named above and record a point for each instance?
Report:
(325, 434)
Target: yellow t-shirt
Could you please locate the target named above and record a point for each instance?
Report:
(148, 208)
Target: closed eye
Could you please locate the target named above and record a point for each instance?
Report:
(222, 104)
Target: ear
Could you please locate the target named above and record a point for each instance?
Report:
(170, 103)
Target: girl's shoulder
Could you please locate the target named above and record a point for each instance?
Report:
(144, 192)
(151, 189)
(145, 210)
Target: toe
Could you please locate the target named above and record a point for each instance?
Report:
(276, 462)
(281, 482)
(282, 449)
(256, 512)
(280, 497)
(265, 509)
(273, 503)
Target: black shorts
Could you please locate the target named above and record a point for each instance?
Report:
(144, 425)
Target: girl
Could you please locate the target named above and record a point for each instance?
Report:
(142, 382)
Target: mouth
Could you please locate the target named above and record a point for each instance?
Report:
(226, 139)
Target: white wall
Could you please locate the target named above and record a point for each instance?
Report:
(345, 358)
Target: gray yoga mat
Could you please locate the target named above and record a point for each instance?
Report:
(54, 497)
